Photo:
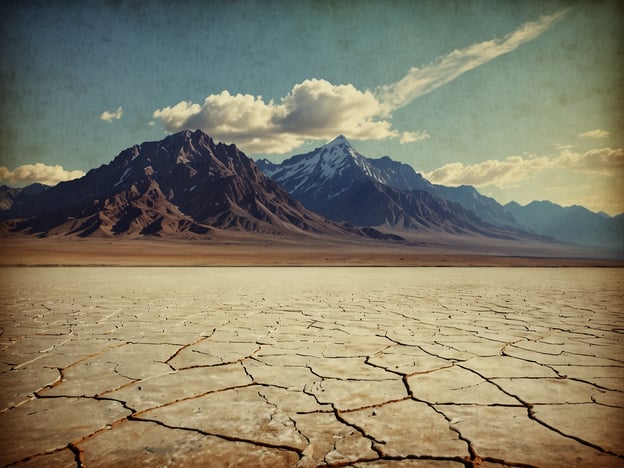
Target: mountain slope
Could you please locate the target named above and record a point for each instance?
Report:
(321, 175)
(315, 166)
(370, 203)
(488, 209)
(185, 184)
(341, 184)
(11, 196)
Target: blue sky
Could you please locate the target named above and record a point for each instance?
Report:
(520, 99)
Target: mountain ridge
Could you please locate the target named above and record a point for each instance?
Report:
(185, 184)
(570, 225)
(342, 184)
(574, 224)
(188, 185)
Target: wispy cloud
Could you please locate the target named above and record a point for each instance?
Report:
(317, 109)
(594, 134)
(420, 81)
(410, 137)
(38, 172)
(505, 173)
(513, 170)
(110, 116)
(604, 160)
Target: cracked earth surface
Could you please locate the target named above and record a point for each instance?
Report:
(304, 367)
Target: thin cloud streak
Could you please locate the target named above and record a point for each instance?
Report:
(598, 133)
(420, 81)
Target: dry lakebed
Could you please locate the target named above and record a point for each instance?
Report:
(311, 366)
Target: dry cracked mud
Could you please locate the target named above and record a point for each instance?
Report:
(304, 367)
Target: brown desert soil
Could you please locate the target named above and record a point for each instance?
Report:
(275, 251)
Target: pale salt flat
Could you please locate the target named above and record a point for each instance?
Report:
(370, 367)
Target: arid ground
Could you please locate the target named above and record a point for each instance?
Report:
(244, 250)
(309, 366)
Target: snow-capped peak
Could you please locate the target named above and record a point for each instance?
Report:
(339, 140)
(334, 167)
(339, 147)
(339, 144)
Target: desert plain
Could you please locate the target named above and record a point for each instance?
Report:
(311, 366)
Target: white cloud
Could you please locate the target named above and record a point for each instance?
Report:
(317, 109)
(410, 137)
(492, 172)
(317, 106)
(420, 81)
(110, 116)
(604, 160)
(594, 134)
(38, 172)
(313, 109)
(514, 169)
(173, 118)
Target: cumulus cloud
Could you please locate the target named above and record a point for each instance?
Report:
(317, 109)
(514, 169)
(110, 116)
(313, 109)
(420, 81)
(38, 172)
(317, 106)
(594, 134)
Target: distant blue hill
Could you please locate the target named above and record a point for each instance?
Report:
(574, 224)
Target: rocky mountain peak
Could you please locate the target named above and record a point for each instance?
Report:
(183, 185)
(340, 140)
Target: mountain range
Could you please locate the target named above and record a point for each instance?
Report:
(189, 186)
(340, 183)
(185, 185)
(573, 224)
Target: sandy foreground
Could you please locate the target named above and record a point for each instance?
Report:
(285, 367)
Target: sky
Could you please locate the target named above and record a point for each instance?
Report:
(521, 99)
